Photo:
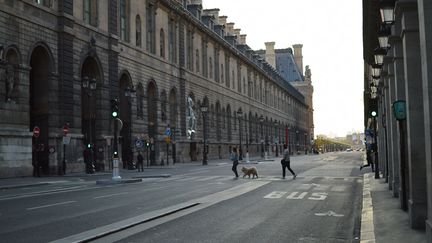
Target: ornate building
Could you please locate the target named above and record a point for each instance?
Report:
(289, 64)
(179, 72)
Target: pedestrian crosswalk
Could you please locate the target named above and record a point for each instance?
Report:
(305, 181)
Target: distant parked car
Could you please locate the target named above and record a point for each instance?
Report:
(349, 150)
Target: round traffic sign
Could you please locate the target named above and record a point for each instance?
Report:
(65, 129)
(139, 143)
(36, 131)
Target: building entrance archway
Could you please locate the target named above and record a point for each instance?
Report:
(40, 63)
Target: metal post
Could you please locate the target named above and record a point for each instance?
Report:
(204, 162)
(376, 149)
(116, 172)
(147, 151)
(64, 159)
(167, 146)
(240, 134)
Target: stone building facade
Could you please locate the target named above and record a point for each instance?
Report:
(62, 62)
(289, 64)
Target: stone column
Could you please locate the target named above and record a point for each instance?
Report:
(415, 117)
(425, 32)
(399, 94)
(390, 122)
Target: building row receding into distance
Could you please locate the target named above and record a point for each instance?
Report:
(397, 44)
(183, 79)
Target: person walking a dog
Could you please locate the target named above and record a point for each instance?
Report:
(234, 158)
(286, 163)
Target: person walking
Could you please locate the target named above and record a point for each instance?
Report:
(286, 163)
(234, 158)
(140, 161)
(369, 151)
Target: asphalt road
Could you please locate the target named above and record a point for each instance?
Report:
(197, 204)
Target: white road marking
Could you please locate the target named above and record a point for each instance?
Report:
(50, 205)
(338, 188)
(275, 194)
(48, 192)
(318, 196)
(207, 178)
(329, 214)
(300, 196)
(111, 195)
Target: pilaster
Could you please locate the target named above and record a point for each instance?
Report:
(415, 119)
(425, 34)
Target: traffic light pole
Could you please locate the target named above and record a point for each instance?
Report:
(116, 172)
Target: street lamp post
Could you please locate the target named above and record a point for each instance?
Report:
(261, 120)
(89, 85)
(297, 141)
(239, 115)
(276, 138)
(204, 109)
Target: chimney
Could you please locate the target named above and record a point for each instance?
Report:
(222, 20)
(214, 12)
(242, 39)
(237, 33)
(230, 28)
(270, 55)
(298, 56)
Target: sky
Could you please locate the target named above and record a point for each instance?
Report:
(331, 34)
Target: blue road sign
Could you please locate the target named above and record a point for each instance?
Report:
(168, 132)
(139, 143)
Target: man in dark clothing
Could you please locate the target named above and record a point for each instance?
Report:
(234, 158)
(140, 162)
(286, 161)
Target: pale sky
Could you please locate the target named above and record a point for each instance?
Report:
(331, 34)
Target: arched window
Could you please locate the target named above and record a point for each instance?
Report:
(218, 122)
(140, 101)
(162, 43)
(138, 31)
(173, 109)
(163, 98)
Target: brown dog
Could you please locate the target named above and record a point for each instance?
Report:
(250, 171)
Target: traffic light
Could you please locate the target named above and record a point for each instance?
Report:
(114, 108)
(89, 145)
(374, 113)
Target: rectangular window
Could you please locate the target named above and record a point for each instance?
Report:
(90, 14)
(171, 36)
(124, 35)
(46, 3)
(151, 33)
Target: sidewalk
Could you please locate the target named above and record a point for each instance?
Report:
(382, 219)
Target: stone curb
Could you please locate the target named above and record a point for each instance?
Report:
(367, 230)
(114, 182)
